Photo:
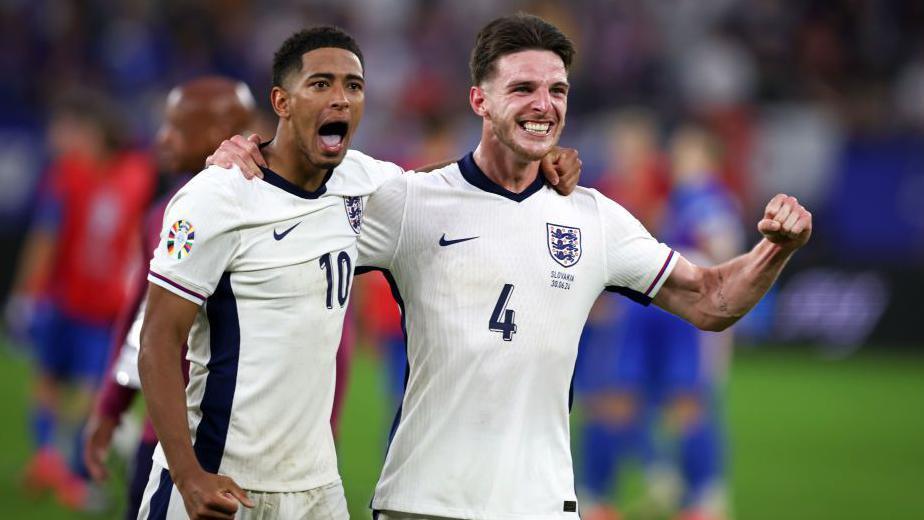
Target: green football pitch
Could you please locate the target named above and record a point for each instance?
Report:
(810, 439)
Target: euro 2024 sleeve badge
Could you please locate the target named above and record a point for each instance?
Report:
(180, 239)
(564, 244)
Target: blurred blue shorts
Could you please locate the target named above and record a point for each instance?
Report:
(646, 351)
(69, 348)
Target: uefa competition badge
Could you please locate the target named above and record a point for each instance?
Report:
(180, 239)
(564, 244)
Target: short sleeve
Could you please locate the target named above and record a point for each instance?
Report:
(383, 221)
(636, 263)
(360, 175)
(198, 240)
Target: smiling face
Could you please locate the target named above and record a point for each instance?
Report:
(323, 103)
(523, 102)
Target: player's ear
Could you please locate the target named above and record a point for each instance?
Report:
(476, 99)
(279, 98)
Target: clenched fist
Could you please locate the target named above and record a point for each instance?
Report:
(786, 223)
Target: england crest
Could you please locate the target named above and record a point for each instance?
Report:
(564, 244)
(354, 212)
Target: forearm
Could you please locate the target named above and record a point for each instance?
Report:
(162, 384)
(34, 263)
(734, 287)
(114, 398)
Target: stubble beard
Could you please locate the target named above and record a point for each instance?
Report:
(505, 134)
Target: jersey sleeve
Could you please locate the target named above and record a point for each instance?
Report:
(362, 175)
(383, 171)
(198, 239)
(636, 263)
(383, 224)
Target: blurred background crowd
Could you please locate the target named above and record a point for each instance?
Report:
(821, 99)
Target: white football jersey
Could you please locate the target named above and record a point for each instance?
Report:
(271, 266)
(495, 288)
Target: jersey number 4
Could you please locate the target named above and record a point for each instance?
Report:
(502, 317)
(344, 275)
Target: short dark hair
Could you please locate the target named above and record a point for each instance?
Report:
(289, 56)
(515, 33)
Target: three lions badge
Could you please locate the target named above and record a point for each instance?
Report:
(354, 212)
(564, 244)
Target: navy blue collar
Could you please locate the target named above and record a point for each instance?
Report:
(276, 180)
(478, 179)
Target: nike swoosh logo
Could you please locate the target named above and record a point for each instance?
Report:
(280, 236)
(444, 242)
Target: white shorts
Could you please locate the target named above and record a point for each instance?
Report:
(162, 501)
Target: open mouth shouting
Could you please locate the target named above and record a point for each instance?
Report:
(332, 137)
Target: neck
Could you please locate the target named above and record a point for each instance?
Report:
(502, 165)
(284, 157)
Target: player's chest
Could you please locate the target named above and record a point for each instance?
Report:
(548, 252)
(297, 233)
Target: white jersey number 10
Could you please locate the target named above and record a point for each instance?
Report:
(344, 275)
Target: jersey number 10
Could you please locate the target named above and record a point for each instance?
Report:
(344, 275)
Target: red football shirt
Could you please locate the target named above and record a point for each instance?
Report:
(101, 208)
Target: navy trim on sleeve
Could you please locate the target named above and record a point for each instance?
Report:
(635, 296)
(178, 286)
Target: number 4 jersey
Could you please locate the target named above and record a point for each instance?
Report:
(495, 290)
(271, 265)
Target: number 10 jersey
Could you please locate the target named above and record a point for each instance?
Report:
(271, 266)
(495, 288)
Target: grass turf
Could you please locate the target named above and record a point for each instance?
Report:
(811, 439)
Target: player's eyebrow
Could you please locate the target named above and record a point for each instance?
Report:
(532, 84)
(521, 83)
(330, 76)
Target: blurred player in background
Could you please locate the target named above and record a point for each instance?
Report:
(665, 376)
(637, 176)
(198, 115)
(74, 272)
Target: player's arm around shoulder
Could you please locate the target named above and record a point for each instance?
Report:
(714, 298)
(383, 222)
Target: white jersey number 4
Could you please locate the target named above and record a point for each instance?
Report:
(502, 317)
